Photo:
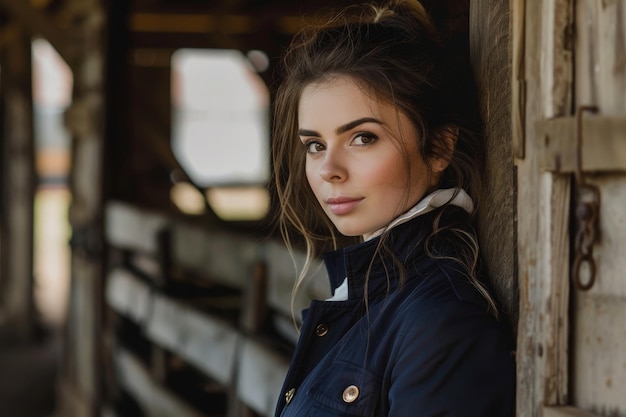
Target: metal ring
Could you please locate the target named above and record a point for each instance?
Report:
(580, 259)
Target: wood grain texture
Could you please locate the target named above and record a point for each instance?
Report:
(565, 412)
(601, 55)
(603, 143)
(542, 207)
(599, 330)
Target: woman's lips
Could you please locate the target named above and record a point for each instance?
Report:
(342, 205)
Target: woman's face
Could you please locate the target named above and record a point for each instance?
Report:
(357, 153)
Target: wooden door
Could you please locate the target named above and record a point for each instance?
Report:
(569, 55)
(598, 351)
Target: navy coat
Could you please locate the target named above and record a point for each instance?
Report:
(424, 347)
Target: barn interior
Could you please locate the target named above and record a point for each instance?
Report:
(139, 271)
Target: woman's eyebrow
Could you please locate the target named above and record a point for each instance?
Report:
(342, 129)
(355, 123)
(305, 132)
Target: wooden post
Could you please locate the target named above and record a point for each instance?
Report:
(253, 316)
(543, 202)
(18, 187)
(81, 370)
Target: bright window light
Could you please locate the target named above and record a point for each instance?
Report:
(220, 118)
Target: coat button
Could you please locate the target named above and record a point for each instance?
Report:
(289, 395)
(350, 394)
(321, 329)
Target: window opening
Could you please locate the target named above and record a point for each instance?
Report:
(220, 128)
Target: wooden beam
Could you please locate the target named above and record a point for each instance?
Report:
(176, 326)
(17, 176)
(82, 48)
(128, 227)
(566, 412)
(228, 24)
(543, 202)
(154, 399)
(189, 332)
(37, 24)
(128, 295)
(225, 258)
(603, 141)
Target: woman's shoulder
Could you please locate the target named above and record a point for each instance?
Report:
(445, 282)
(446, 295)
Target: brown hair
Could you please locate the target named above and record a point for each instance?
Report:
(395, 53)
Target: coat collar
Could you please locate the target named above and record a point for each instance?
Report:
(406, 241)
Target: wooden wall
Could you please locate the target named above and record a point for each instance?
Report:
(489, 43)
(572, 337)
(599, 315)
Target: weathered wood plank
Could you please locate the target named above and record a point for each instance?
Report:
(603, 141)
(128, 227)
(601, 55)
(599, 363)
(128, 296)
(155, 400)
(542, 215)
(205, 341)
(260, 376)
(599, 330)
(565, 412)
(222, 257)
(556, 266)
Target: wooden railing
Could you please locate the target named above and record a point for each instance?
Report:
(198, 323)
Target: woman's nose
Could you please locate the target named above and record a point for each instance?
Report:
(333, 168)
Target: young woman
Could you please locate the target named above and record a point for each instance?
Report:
(373, 140)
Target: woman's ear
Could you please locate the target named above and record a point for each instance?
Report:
(442, 156)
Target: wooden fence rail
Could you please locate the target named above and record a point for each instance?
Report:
(219, 307)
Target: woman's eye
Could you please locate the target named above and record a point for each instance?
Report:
(362, 139)
(313, 147)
